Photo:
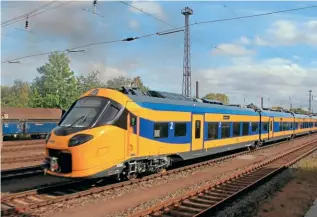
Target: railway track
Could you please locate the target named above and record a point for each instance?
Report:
(33, 199)
(21, 172)
(32, 147)
(208, 199)
(23, 143)
(8, 160)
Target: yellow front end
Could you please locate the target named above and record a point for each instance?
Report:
(103, 151)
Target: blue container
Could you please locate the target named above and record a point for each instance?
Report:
(39, 127)
(9, 128)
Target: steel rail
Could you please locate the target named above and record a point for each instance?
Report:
(21, 172)
(43, 197)
(23, 148)
(37, 157)
(210, 197)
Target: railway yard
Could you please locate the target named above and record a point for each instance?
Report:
(101, 128)
(209, 187)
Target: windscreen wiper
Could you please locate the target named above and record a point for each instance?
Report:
(81, 117)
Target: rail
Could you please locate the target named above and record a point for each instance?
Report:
(21, 172)
(210, 198)
(33, 199)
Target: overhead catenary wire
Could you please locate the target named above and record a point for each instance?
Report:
(254, 32)
(32, 15)
(170, 30)
(89, 45)
(27, 14)
(163, 21)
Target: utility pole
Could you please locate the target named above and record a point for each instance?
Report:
(197, 90)
(186, 88)
(262, 102)
(309, 107)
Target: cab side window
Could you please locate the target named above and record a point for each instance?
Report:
(160, 130)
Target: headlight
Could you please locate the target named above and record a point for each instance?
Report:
(79, 139)
(47, 137)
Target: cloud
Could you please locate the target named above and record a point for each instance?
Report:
(150, 7)
(244, 40)
(260, 42)
(133, 24)
(232, 49)
(107, 73)
(275, 78)
(287, 32)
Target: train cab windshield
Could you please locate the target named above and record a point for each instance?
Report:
(84, 112)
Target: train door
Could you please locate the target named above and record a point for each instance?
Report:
(133, 133)
(271, 128)
(197, 132)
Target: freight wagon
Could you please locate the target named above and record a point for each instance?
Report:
(35, 122)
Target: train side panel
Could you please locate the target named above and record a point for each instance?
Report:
(39, 127)
(11, 128)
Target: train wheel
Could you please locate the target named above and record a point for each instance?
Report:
(162, 171)
(131, 176)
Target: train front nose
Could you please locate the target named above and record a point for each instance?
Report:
(68, 154)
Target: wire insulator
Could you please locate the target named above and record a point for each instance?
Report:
(27, 23)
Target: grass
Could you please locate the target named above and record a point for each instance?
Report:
(306, 169)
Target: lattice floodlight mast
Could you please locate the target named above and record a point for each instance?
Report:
(186, 88)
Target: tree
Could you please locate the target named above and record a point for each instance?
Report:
(89, 82)
(299, 110)
(57, 86)
(137, 82)
(17, 95)
(126, 82)
(218, 96)
(277, 107)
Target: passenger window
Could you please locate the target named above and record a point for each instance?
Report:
(236, 129)
(180, 129)
(213, 130)
(245, 128)
(255, 126)
(225, 130)
(197, 129)
(265, 126)
(160, 130)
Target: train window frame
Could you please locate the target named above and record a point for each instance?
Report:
(256, 124)
(227, 127)
(245, 126)
(161, 125)
(236, 126)
(197, 129)
(265, 126)
(215, 132)
(177, 126)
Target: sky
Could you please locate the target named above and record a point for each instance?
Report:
(273, 56)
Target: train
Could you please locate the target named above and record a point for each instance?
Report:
(124, 133)
(33, 122)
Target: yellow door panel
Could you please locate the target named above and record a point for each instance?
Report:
(197, 132)
(133, 132)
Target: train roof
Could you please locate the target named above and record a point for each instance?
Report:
(301, 116)
(164, 104)
(31, 113)
(166, 101)
(277, 114)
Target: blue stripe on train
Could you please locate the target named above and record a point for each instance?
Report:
(195, 109)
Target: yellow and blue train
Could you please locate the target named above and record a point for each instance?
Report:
(127, 132)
